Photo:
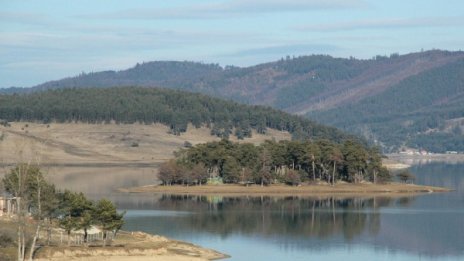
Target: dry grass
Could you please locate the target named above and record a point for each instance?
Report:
(7, 237)
(80, 143)
(132, 246)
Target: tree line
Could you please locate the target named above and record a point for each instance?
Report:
(34, 196)
(176, 109)
(290, 162)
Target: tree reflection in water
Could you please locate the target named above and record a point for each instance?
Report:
(296, 216)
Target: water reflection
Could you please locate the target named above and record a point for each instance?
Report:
(290, 216)
(386, 223)
(291, 228)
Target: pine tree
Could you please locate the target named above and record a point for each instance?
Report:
(108, 218)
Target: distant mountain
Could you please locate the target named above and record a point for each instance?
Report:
(409, 100)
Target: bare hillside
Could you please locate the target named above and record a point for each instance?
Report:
(100, 144)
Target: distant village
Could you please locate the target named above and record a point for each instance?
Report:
(421, 152)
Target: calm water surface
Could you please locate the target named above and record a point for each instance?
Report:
(428, 227)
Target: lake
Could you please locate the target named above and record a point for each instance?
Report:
(426, 227)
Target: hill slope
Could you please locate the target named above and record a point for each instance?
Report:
(176, 109)
(331, 90)
(423, 111)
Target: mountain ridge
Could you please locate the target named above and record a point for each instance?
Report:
(314, 85)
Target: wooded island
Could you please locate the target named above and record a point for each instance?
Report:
(289, 162)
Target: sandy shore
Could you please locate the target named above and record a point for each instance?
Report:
(131, 246)
(283, 190)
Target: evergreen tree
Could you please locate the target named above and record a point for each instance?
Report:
(107, 218)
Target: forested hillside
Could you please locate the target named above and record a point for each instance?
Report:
(425, 111)
(175, 109)
(399, 101)
(299, 84)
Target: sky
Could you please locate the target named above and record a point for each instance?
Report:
(52, 39)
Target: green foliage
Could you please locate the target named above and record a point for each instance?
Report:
(384, 175)
(25, 181)
(175, 109)
(230, 170)
(298, 93)
(290, 162)
(107, 217)
(77, 212)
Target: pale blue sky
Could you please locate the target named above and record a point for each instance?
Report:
(51, 39)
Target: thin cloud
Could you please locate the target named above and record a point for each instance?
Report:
(229, 9)
(386, 24)
(26, 18)
(258, 6)
(117, 38)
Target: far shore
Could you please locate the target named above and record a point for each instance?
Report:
(345, 189)
(430, 157)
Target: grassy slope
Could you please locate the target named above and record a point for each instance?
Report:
(79, 143)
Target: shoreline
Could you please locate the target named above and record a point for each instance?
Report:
(128, 245)
(132, 246)
(345, 189)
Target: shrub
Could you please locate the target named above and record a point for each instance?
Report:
(384, 175)
(406, 176)
(6, 240)
(292, 177)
